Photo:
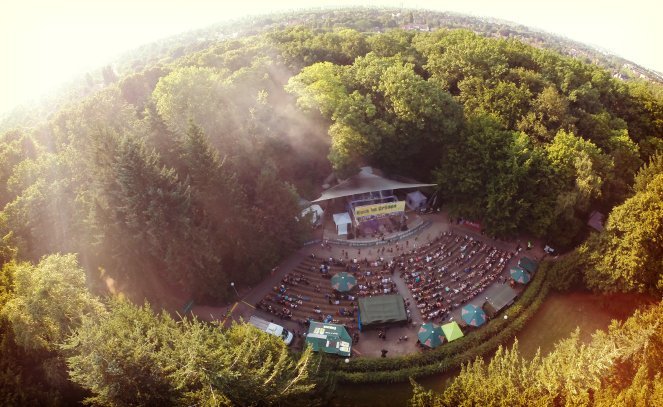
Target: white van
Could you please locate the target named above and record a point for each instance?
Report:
(272, 328)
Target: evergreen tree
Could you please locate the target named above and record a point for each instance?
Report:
(623, 364)
(130, 356)
(49, 301)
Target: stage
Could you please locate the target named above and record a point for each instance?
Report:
(415, 223)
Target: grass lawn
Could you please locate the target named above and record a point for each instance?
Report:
(557, 317)
(562, 313)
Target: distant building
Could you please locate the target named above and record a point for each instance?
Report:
(416, 27)
(596, 220)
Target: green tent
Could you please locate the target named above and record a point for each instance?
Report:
(499, 299)
(329, 338)
(380, 310)
(452, 331)
(430, 335)
(528, 264)
(519, 275)
(473, 315)
(343, 282)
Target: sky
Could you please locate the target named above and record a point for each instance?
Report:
(45, 43)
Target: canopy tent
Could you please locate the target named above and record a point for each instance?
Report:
(316, 214)
(329, 338)
(431, 335)
(452, 331)
(365, 182)
(473, 315)
(528, 264)
(380, 310)
(343, 282)
(519, 275)
(342, 220)
(415, 200)
(500, 299)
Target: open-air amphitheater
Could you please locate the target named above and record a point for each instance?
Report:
(436, 272)
(385, 273)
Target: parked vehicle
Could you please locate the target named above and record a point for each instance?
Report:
(272, 328)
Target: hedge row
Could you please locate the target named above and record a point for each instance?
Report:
(452, 355)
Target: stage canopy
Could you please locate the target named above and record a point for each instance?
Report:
(380, 310)
(501, 299)
(329, 338)
(365, 182)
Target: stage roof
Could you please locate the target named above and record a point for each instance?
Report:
(365, 182)
(382, 309)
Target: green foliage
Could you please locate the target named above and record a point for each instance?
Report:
(162, 172)
(184, 169)
(628, 256)
(301, 47)
(193, 93)
(383, 113)
(117, 356)
(49, 301)
(498, 176)
(15, 146)
(623, 365)
(568, 271)
(28, 376)
(21, 380)
(130, 356)
(648, 172)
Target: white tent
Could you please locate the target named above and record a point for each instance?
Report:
(342, 220)
(415, 200)
(316, 214)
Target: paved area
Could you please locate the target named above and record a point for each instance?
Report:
(369, 343)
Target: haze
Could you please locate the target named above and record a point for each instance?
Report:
(47, 42)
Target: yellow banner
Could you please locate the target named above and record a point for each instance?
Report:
(379, 209)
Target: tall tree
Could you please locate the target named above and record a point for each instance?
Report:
(572, 374)
(50, 300)
(119, 357)
(628, 255)
(131, 356)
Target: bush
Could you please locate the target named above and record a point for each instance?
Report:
(566, 272)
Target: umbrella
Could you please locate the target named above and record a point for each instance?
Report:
(519, 275)
(431, 335)
(473, 315)
(343, 282)
(452, 331)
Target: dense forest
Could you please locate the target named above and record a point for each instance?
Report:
(189, 171)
